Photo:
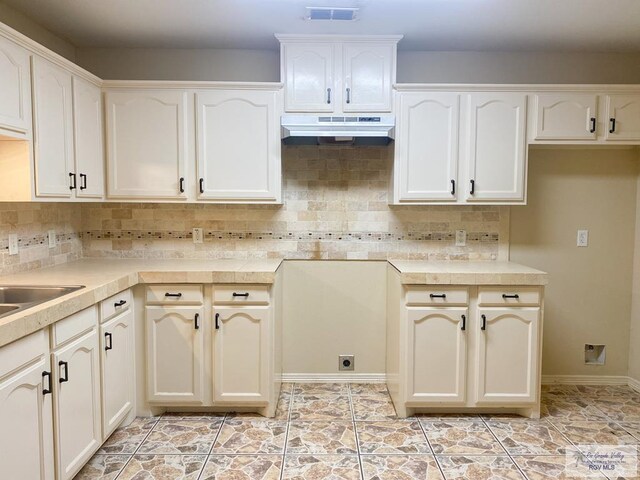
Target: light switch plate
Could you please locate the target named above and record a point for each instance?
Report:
(461, 238)
(198, 236)
(52, 238)
(583, 238)
(13, 244)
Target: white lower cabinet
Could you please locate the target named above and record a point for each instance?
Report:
(116, 350)
(240, 361)
(76, 403)
(26, 432)
(175, 348)
(507, 349)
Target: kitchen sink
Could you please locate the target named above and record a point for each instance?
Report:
(14, 298)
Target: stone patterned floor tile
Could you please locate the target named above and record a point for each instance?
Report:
(633, 428)
(605, 390)
(400, 467)
(619, 409)
(391, 438)
(375, 408)
(253, 467)
(572, 409)
(320, 407)
(368, 389)
(561, 389)
(181, 437)
(448, 417)
(479, 468)
(462, 438)
(238, 436)
(532, 437)
(197, 416)
(317, 437)
(126, 440)
(286, 387)
(283, 407)
(163, 467)
(321, 389)
(103, 467)
(547, 467)
(321, 467)
(595, 433)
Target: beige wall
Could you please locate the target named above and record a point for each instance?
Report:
(334, 308)
(634, 334)
(588, 299)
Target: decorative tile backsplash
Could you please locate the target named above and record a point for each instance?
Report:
(335, 208)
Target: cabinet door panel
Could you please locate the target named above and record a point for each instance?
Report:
(89, 150)
(309, 77)
(368, 77)
(53, 129)
(496, 147)
(566, 116)
(76, 401)
(507, 355)
(26, 436)
(146, 143)
(175, 349)
(623, 117)
(238, 139)
(427, 146)
(241, 358)
(116, 348)
(437, 352)
(15, 87)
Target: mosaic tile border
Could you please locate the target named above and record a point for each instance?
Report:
(39, 240)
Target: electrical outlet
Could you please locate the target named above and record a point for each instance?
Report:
(461, 238)
(583, 238)
(13, 244)
(52, 238)
(198, 236)
(346, 362)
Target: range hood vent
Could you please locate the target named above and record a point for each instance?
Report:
(342, 128)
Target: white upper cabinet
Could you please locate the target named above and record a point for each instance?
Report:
(146, 143)
(335, 74)
(427, 146)
(566, 116)
(53, 129)
(309, 77)
(623, 114)
(496, 147)
(368, 71)
(89, 150)
(238, 145)
(15, 87)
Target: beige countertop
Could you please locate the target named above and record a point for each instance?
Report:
(467, 273)
(103, 278)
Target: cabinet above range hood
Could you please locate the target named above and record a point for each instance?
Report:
(338, 129)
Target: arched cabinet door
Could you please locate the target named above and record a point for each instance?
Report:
(566, 116)
(308, 72)
(623, 117)
(15, 87)
(507, 342)
(437, 355)
(368, 76)
(175, 348)
(241, 360)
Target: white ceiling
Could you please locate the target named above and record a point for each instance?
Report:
(496, 25)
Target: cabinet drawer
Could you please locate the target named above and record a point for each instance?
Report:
(115, 304)
(73, 326)
(241, 294)
(22, 352)
(447, 296)
(174, 294)
(505, 296)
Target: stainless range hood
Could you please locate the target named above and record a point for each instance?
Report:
(339, 128)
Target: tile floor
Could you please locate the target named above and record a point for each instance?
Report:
(340, 431)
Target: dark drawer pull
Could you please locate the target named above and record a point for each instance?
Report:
(484, 322)
(196, 322)
(515, 295)
(612, 125)
(173, 295)
(453, 187)
(47, 390)
(217, 321)
(473, 187)
(201, 185)
(120, 303)
(246, 294)
(593, 125)
(439, 295)
(66, 371)
(108, 346)
(83, 181)
(72, 181)
(464, 322)
(181, 182)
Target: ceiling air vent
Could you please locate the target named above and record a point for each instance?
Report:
(330, 13)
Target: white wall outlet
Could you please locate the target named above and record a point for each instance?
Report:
(198, 236)
(52, 238)
(461, 238)
(13, 244)
(583, 238)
